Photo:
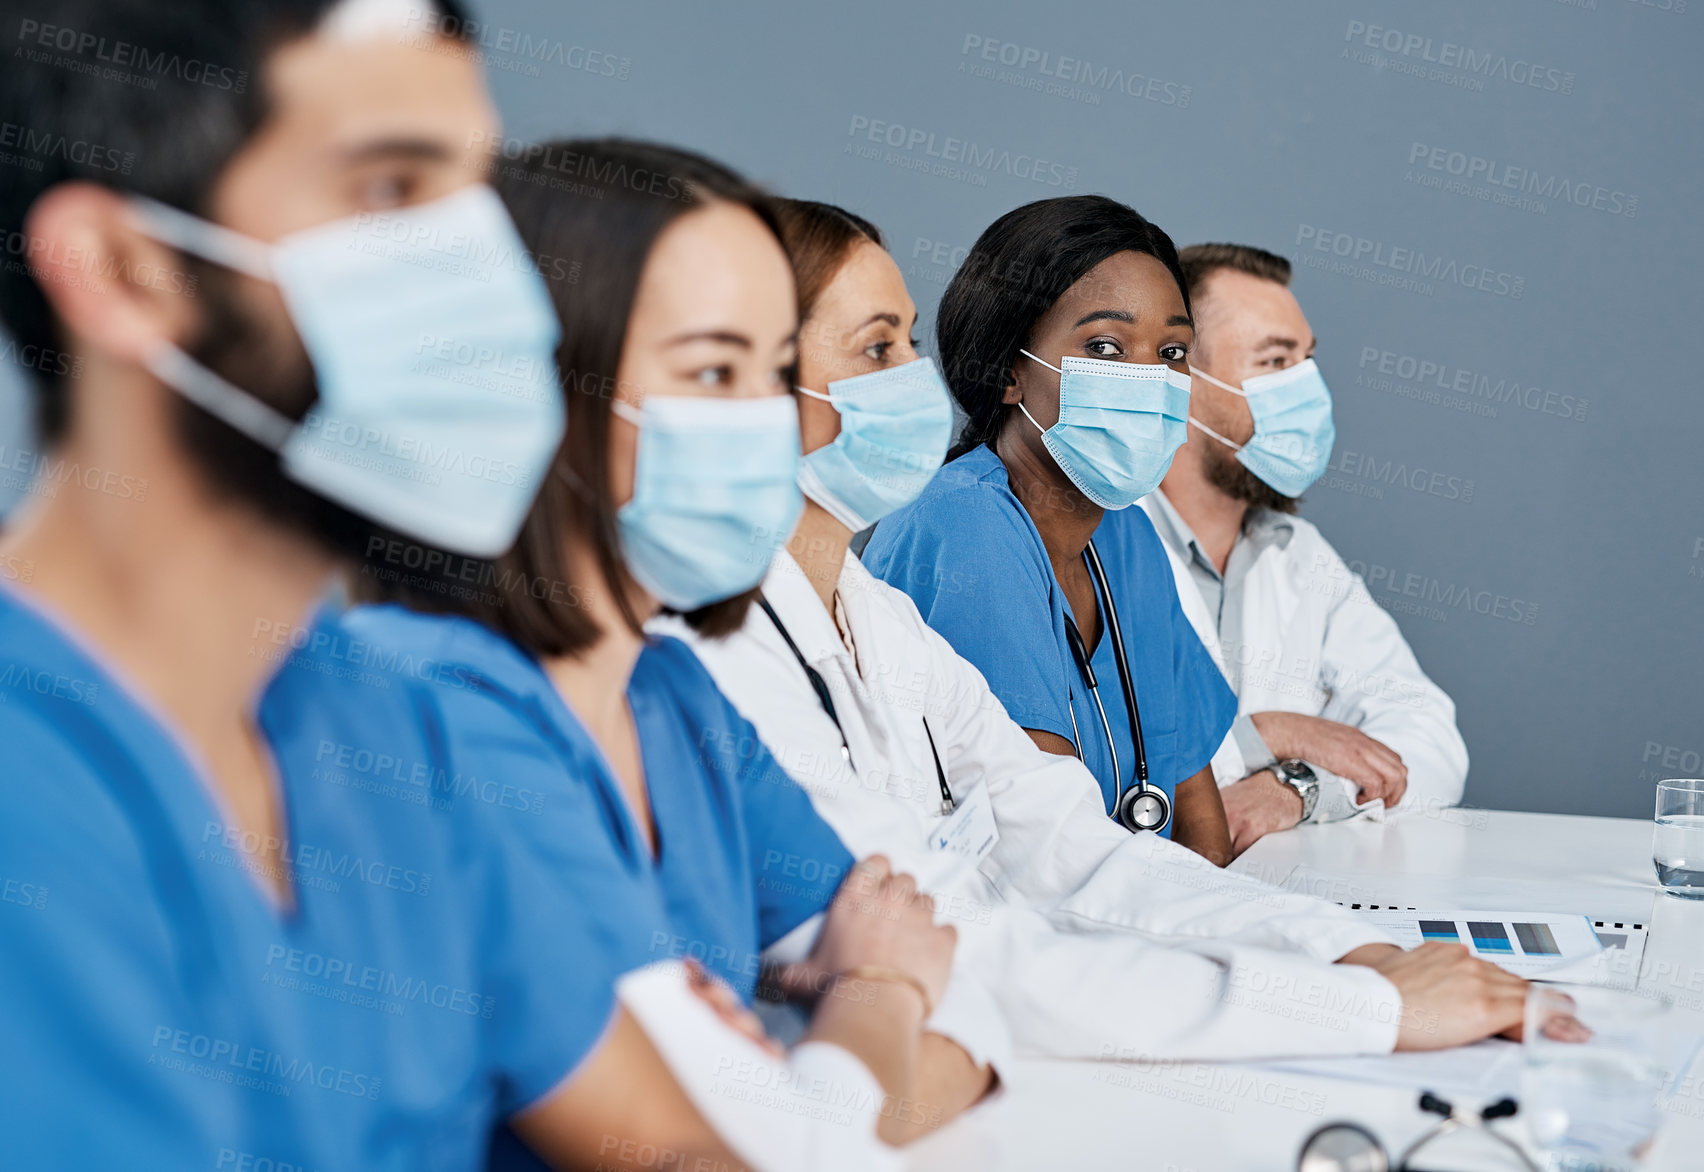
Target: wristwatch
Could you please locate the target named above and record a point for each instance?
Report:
(1296, 774)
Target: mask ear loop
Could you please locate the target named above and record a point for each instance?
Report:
(818, 395)
(203, 238)
(229, 404)
(627, 411)
(1231, 444)
(1021, 406)
(165, 361)
(1196, 373)
(1196, 423)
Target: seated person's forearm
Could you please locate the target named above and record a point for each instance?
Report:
(1369, 954)
(593, 1119)
(1278, 731)
(880, 1023)
(1198, 819)
(948, 1083)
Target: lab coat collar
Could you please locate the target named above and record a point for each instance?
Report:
(859, 589)
(796, 601)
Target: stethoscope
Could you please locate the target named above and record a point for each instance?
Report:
(1142, 806)
(826, 699)
(1349, 1147)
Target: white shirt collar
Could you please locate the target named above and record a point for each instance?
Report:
(1261, 528)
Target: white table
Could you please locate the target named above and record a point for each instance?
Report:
(1193, 1117)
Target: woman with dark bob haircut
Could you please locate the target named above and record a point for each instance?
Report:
(1065, 339)
(674, 486)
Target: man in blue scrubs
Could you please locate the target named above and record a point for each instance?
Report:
(221, 949)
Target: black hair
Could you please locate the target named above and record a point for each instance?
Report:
(150, 97)
(601, 203)
(1015, 272)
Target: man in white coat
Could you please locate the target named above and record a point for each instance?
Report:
(1334, 715)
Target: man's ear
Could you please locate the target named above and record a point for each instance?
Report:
(115, 291)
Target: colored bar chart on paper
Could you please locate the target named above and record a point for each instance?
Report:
(1530, 944)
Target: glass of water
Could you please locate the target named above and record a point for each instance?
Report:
(1596, 1063)
(1677, 847)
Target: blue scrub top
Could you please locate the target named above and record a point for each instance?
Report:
(971, 559)
(742, 856)
(432, 977)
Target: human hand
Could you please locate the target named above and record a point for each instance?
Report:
(879, 918)
(1256, 806)
(1449, 996)
(727, 1006)
(1345, 750)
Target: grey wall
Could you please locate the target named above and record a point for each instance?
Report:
(1494, 210)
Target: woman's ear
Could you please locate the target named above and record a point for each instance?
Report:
(1011, 395)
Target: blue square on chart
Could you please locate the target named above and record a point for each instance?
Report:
(1489, 937)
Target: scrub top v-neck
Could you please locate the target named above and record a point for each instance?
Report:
(971, 559)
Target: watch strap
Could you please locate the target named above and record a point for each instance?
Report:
(1299, 777)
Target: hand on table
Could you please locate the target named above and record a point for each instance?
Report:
(1449, 996)
(1258, 805)
(1341, 748)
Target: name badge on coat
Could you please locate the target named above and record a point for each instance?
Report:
(969, 830)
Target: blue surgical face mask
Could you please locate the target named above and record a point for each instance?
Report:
(1120, 424)
(1293, 431)
(895, 425)
(715, 494)
(433, 341)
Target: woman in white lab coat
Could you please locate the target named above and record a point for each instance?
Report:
(1109, 944)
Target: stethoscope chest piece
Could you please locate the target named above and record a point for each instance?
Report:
(1343, 1147)
(1144, 809)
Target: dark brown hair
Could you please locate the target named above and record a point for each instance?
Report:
(591, 211)
(1201, 261)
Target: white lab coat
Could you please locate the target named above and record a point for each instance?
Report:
(1102, 943)
(1314, 642)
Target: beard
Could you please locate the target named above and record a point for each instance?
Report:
(1228, 474)
(269, 364)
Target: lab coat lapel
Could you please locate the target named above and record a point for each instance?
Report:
(1271, 599)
